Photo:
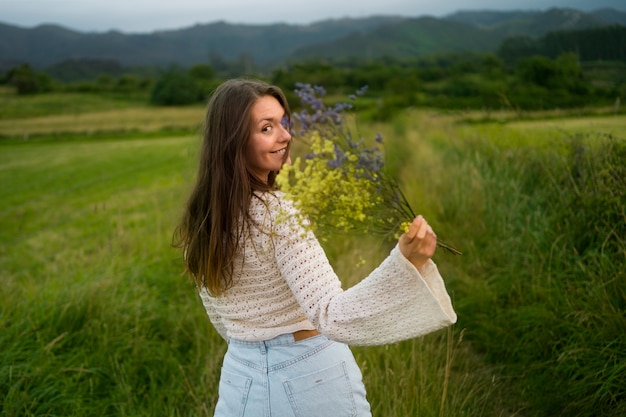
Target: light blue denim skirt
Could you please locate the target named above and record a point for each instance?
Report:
(314, 377)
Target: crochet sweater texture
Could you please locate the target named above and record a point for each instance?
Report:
(283, 282)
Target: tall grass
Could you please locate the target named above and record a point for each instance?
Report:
(540, 288)
(95, 318)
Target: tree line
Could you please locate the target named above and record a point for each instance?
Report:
(607, 43)
(560, 69)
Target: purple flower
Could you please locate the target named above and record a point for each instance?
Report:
(329, 124)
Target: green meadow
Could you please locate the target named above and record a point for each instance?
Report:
(96, 317)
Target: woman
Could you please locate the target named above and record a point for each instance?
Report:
(267, 285)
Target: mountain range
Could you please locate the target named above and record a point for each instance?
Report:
(272, 45)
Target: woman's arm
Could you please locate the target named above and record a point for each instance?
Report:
(395, 302)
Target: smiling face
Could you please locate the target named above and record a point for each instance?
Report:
(268, 146)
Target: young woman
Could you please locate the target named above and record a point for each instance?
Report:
(267, 285)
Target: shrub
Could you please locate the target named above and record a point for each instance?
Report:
(174, 88)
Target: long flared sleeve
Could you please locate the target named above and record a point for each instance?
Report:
(394, 302)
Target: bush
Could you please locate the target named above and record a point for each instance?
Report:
(27, 81)
(175, 88)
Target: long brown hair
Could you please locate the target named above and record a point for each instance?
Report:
(210, 230)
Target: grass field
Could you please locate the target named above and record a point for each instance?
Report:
(96, 318)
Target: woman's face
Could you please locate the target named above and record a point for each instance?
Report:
(268, 145)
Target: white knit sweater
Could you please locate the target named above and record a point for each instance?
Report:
(283, 282)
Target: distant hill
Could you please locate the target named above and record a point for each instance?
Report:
(266, 44)
(270, 46)
(465, 31)
(611, 16)
(535, 23)
(410, 37)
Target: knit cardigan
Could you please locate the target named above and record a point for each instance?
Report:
(283, 282)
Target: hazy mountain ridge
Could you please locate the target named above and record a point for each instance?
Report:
(411, 37)
(465, 31)
(272, 45)
(531, 20)
(611, 16)
(48, 44)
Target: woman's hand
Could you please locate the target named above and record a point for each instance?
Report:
(418, 244)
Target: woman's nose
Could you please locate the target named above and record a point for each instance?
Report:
(286, 133)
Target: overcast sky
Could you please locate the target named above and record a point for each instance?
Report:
(133, 16)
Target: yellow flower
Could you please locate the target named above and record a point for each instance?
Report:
(341, 184)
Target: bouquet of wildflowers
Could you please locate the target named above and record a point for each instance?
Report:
(341, 186)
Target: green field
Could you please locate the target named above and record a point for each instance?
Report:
(96, 318)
